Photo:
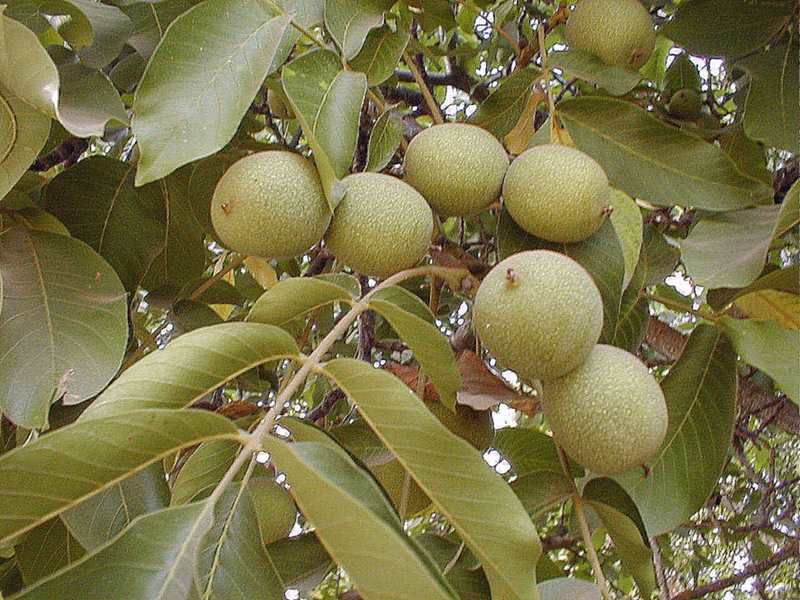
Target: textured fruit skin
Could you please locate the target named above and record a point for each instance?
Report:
(609, 414)
(539, 313)
(557, 193)
(459, 168)
(270, 204)
(619, 32)
(382, 225)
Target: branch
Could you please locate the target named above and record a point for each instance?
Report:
(68, 151)
(786, 553)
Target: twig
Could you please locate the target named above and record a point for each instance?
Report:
(658, 562)
(423, 87)
(502, 32)
(203, 287)
(325, 406)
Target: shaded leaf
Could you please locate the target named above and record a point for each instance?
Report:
(627, 221)
(150, 21)
(301, 560)
(197, 87)
(192, 366)
(568, 587)
(23, 133)
(203, 470)
(786, 280)
(70, 309)
(468, 581)
(617, 79)
(46, 549)
(700, 390)
(769, 347)
(530, 451)
(748, 154)
(382, 52)
(153, 558)
(480, 388)
(63, 468)
(651, 160)
(475, 499)
(88, 100)
(542, 491)
(111, 28)
(295, 297)
(682, 74)
(73, 25)
(781, 307)
(384, 141)
(502, 109)
(634, 313)
(349, 22)
(327, 101)
(658, 258)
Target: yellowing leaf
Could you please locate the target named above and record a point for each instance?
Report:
(261, 271)
(517, 139)
(781, 307)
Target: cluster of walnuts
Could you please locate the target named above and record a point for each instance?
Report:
(539, 312)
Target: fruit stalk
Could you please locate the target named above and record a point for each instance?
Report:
(423, 87)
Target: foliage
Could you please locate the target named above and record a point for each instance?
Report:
(148, 373)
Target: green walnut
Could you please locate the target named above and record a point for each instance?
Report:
(539, 313)
(382, 225)
(270, 204)
(619, 32)
(609, 414)
(458, 168)
(557, 193)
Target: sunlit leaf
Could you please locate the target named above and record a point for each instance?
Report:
(381, 52)
(88, 101)
(23, 133)
(295, 297)
(349, 22)
(627, 221)
(384, 141)
(617, 79)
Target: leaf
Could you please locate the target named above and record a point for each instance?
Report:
(333, 492)
(430, 347)
(786, 280)
(469, 581)
(726, 27)
(701, 397)
(327, 101)
(73, 25)
(621, 519)
(658, 258)
(682, 74)
(789, 216)
(479, 504)
(382, 52)
(101, 517)
(88, 100)
(627, 221)
(69, 308)
(96, 200)
(46, 549)
(781, 307)
(203, 470)
(384, 140)
(616, 79)
(61, 469)
(298, 296)
(192, 366)
(748, 154)
(23, 133)
(231, 562)
(651, 160)
(111, 28)
(197, 87)
(150, 21)
(502, 109)
(480, 388)
(520, 137)
(541, 492)
(634, 313)
(349, 22)
(301, 560)
(769, 347)
(729, 249)
(530, 452)
(153, 558)
(568, 587)
(25, 67)
(771, 112)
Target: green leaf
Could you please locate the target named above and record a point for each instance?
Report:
(70, 309)
(197, 87)
(150, 21)
(192, 366)
(61, 469)
(349, 22)
(153, 558)
(561, 588)
(634, 313)
(542, 491)
(435, 14)
(469, 581)
(623, 523)
(301, 560)
(727, 27)
(25, 67)
(729, 249)
(101, 517)
(789, 216)
(203, 470)
(23, 133)
(231, 562)
(298, 296)
(771, 112)
(530, 451)
(327, 101)
(658, 258)
(653, 161)
(430, 347)
(96, 200)
(682, 74)
(701, 397)
(500, 112)
(88, 101)
(111, 28)
(333, 492)
(769, 347)
(46, 549)
(384, 140)
(781, 307)
(382, 52)
(475, 499)
(618, 80)
(73, 25)
(781, 279)
(627, 221)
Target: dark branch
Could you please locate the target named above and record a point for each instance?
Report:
(322, 409)
(68, 152)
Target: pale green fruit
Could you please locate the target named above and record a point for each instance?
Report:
(539, 313)
(279, 105)
(270, 204)
(382, 225)
(459, 168)
(274, 508)
(609, 414)
(557, 193)
(619, 32)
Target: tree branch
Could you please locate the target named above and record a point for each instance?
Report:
(68, 151)
(792, 550)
